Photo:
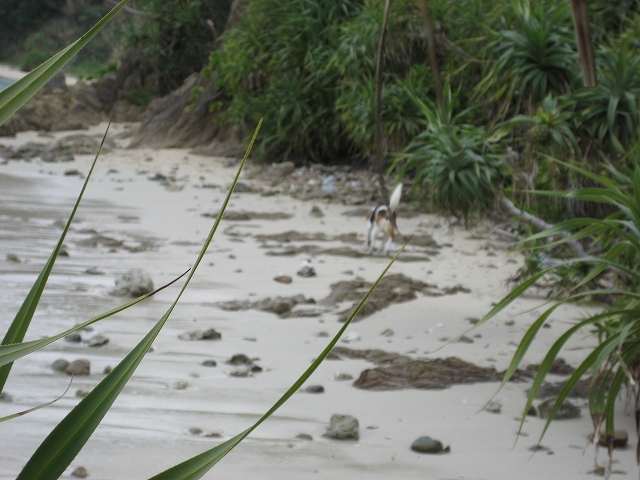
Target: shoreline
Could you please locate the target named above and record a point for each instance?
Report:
(154, 414)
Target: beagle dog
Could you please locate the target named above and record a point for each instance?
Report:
(383, 219)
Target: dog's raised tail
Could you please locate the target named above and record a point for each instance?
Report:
(394, 201)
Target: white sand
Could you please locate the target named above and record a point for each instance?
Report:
(147, 429)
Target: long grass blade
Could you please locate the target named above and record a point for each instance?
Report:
(25, 412)
(199, 465)
(18, 93)
(66, 440)
(22, 320)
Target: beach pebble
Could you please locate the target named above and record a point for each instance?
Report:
(107, 370)
(133, 283)
(13, 258)
(239, 359)
(63, 252)
(304, 436)
(210, 334)
(195, 431)
(314, 389)
(428, 445)
(5, 397)
(532, 412)
(243, 187)
(278, 171)
(80, 472)
(180, 385)
(350, 337)
(465, 339)
(74, 337)
(59, 365)
(307, 272)
(81, 366)
(343, 427)
(82, 393)
(283, 279)
(98, 341)
(387, 333)
(494, 407)
(329, 185)
(93, 270)
(242, 371)
(316, 212)
(341, 377)
(566, 411)
(322, 334)
(620, 439)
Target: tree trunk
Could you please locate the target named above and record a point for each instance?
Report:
(580, 12)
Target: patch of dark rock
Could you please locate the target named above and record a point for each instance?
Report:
(291, 251)
(195, 431)
(281, 306)
(98, 341)
(93, 271)
(314, 389)
(243, 216)
(79, 367)
(342, 377)
(60, 365)
(316, 212)
(209, 363)
(419, 240)
(539, 448)
(493, 407)
(72, 173)
(558, 367)
(395, 288)
(465, 339)
(82, 393)
(13, 258)
(304, 436)
(133, 283)
(428, 445)
(566, 411)
(395, 371)
(210, 334)
(243, 187)
(357, 212)
(107, 370)
(239, 359)
(100, 240)
(343, 427)
(580, 389)
(291, 236)
(5, 397)
(455, 289)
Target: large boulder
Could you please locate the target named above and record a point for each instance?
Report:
(133, 283)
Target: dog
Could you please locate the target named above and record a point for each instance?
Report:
(383, 219)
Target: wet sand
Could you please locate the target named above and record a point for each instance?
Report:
(158, 227)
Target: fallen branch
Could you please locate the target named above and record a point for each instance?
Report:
(541, 224)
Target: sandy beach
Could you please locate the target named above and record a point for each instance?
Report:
(158, 206)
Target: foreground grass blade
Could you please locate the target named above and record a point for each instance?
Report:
(18, 93)
(22, 320)
(24, 412)
(11, 353)
(197, 466)
(62, 445)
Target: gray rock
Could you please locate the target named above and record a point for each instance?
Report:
(5, 397)
(60, 365)
(79, 367)
(209, 363)
(307, 272)
(343, 427)
(98, 341)
(241, 372)
(316, 212)
(494, 407)
(74, 337)
(13, 258)
(210, 334)
(80, 472)
(566, 411)
(283, 279)
(133, 283)
(304, 436)
(428, 445)
(195, 431)
(239, 359)
(278, 171)
(620, 439)
(341, 377)
(329, 185)
(82, 393)
(314, 389)
(180, 385)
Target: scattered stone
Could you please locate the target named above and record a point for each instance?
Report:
(304, 436)
(510, 323)
(341, 377)
(343, 427)
(92, 270)
(329, 185)
(195, 431)
(620, 439)
(314, 389)
(243, 187)
(209, 363)
(278, 171)
(213, 435)
(387, 333)
(350, 337)
(494, 407)
(307, 272)
(372, 426)
(240, 372)
(97, 239)
(316, 212)
(63, 252)
(79, 367)
(98, 341)
(80, 472)
(107, 370)
(239, 359)
(13, 258)
(465, 339)
(180, 385)
(428, 445)
(82, 393)
(74, 337)
(322, 334)
(472, 320)
(539, 448)
(5, 397)
(283, 279)
(566, 411)
(133, 283)
(73, 172)
(210, 334)
(532, 412)
(60, 365)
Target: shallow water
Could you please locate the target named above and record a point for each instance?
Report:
(4, 83)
